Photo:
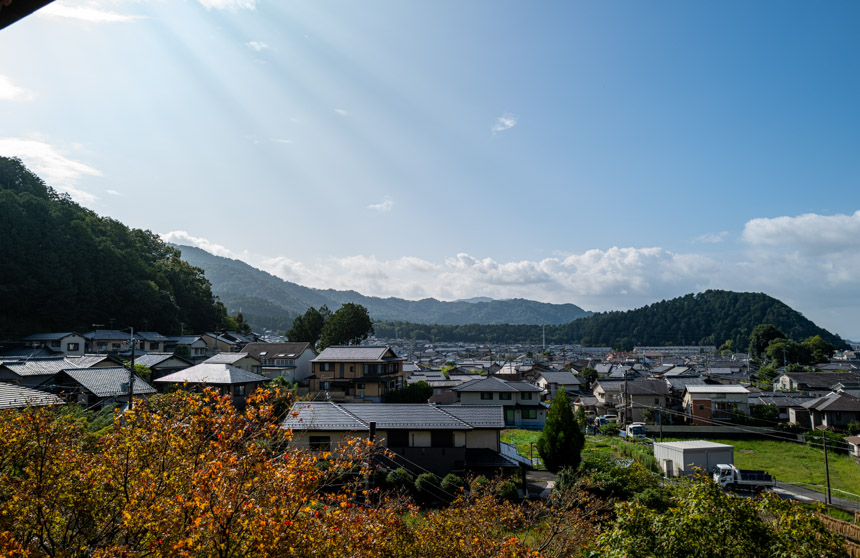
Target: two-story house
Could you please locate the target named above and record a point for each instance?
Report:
(712, 403)
(288, 360)
(520, 400)
(356, 374)
(438, 438)
(68, 343)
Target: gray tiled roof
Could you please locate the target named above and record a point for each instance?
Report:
(154, 359)
(48, 336)
(52, 365)
(151, 336)
(276, 350)
(495, 385)
(317, 415)
(646, 387)
(107, 382)
(834, 402)
(779, 398)
(225, 358)
(12, 397)
(356, 354)
(560, 378)
(211, 374)
(185, 339)
(109, 335)
(478, 416)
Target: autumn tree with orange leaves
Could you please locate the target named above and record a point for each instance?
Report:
(187, 475)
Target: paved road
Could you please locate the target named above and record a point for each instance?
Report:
(803, 494)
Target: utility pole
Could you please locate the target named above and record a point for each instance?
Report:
(660, 419)
(826, 466)
(131, 375)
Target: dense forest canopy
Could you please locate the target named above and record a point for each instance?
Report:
(66, 268)
(708, 318)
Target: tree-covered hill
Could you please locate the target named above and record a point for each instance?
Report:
(262, 297)
(66, 268)
(708, 318)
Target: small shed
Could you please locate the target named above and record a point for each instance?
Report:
(683, 458)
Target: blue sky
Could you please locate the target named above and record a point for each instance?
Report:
(608, 154)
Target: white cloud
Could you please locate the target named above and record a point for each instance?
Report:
(825, 289)
(229, 4)
(51, 165)
(341, 112)
(809, 234)
(711, 238)
(257, 46)
(504, 122)
(11, 92)
(185, 239)
(384, 206)
(113, 192)
(90, 11)
(281, 140)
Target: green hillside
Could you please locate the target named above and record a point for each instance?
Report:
(66, 268)
(708, 318)
(264, 298)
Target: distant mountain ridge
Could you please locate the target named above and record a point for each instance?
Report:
(268, 301)
(708, 318)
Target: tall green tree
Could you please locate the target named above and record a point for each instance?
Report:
(560, 444)
(819, 349)
(760, 338)
(786, 351)
(349, 325)
(309, 326)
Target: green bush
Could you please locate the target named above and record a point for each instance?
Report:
(609, 429)
(506, 490)
(452, 484)
(401, 479)
(427, 489)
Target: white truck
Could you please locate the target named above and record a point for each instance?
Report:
(636, 430)
(731, 478)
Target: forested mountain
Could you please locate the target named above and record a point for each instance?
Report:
(65, 268)
(266, 300)
(708, 318)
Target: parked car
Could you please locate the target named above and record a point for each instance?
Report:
(607, 419)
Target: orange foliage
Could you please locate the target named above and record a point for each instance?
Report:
(187, 475)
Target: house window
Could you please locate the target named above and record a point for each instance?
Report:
(442, 438)
(325, 385)
(529, 413)
(153, 346)
(487, 395)
(359, 386)
(320, 443)
(398, 438)
(656, 400)
(325, 366)
(526, 395)
(239, 390)
(115, 346)
(55, 343)
(73, 347)
(701, 407)
(505, 396)
(352, 368)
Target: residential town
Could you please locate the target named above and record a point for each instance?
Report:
(476, 392)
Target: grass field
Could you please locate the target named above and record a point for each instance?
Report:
(798, 463)
(522, 439)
